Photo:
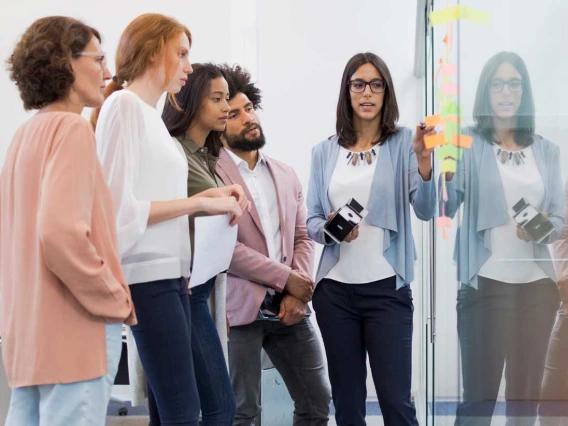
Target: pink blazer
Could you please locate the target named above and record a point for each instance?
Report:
(251, 266)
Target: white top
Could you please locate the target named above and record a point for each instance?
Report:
(142, 163)
(512, 259)
(360, 261)
(263, 191)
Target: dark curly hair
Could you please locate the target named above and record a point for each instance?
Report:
(238, 80)
(41, 62)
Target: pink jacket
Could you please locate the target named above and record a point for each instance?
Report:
(251, 266)
(60, 274)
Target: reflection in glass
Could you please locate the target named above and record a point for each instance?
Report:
(508, 298)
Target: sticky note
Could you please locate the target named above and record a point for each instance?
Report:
(450, 107)
(449, 69)
(434, 141)
(451, 118)
(459, 12)
(449, 165)
(474, 15)
(451, 129)
(449, 88)
(447, 150)
(444, 222)
(462, 141)
(432, 120)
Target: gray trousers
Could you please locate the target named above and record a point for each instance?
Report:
(296, 353)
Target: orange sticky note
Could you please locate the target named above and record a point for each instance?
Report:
(444, 222)
(432, 120)
(434, 140)
(462, 141)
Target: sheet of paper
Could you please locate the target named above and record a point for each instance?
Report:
(214, 244)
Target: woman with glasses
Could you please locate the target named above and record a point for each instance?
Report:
(363, 300)
(63, 295)
(508, 297)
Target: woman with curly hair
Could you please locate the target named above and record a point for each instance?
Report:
(63, 295)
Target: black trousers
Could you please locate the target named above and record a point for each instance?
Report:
(504, 326)
(373, 318)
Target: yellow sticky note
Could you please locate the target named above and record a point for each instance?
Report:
(434, 140)
(445, 15)
(475, 15)
(450, 151)
(449, 165)
(462, 141)
(432, 120)
(454, 13)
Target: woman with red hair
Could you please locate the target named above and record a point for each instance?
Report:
(147, 174)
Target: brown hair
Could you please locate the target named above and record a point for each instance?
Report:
(482, 111)
(147, 35)
(41, 62)
(345, 127)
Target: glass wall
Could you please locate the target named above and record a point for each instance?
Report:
(496, 89)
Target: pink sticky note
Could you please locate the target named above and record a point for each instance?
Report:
(449, 89)
(449, 69)
(444, 222)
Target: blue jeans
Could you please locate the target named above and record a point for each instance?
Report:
(78, 404)
(163, 338)
(213, 384)
(373, 318)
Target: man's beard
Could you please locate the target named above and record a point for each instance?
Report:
(241, 143)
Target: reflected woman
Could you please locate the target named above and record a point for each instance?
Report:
(508, 297)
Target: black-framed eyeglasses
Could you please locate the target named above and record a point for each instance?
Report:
(358, 86)
(514, 85)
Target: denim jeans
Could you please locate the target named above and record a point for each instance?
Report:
(163, 338)
(503, 326)
(553, 408)
(373, 318)
(213, 384)
(78, 404)
(296, 353)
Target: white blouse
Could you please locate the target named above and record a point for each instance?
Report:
(348, 182)
(512, 259)
(142, 164)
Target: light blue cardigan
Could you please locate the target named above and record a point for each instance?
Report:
(477, 184)
(396, 185)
